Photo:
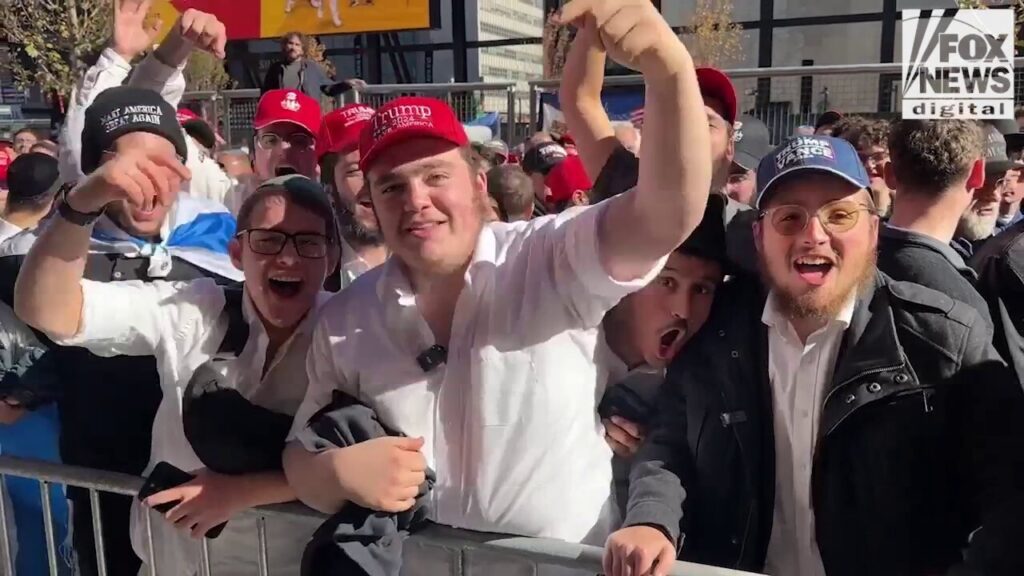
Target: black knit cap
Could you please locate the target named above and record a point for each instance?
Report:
(33, 175)
(122, 110)
(707, 241)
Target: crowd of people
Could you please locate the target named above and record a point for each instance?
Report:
(678, 341)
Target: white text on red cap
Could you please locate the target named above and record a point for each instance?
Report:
(401, 116)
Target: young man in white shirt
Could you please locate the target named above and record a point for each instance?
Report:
(362, 247)
(478, 341)
(285, 246)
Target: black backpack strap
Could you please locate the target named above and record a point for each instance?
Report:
(237, 333)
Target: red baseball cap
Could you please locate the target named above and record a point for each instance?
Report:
(406, 118)
(566, 178)
(341, 128)
(715, 84)
(186, 115)
(288, 106)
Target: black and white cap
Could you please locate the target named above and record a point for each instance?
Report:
(122, 110)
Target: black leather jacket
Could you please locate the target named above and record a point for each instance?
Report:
(920, 444)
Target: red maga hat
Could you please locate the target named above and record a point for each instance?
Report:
(407, 118)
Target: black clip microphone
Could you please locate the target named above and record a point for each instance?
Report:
(432, 357)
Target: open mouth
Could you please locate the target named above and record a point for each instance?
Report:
(813, 269)
(285, 171)
(670, 342)
(285, 286)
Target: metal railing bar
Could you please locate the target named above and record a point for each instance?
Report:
(261, 536)
(97, 532)
(112, 482)
(5, 537)
(204, 556)
(773, 72)
(148, 513)
(51, 538)
(532, 549)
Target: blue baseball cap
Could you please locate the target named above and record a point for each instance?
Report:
(806, 154)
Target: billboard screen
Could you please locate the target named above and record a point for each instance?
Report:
(250, 19)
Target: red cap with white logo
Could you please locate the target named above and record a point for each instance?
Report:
(288, 106)
(341, 128)
(405, 119)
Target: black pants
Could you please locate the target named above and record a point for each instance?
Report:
(115, 513)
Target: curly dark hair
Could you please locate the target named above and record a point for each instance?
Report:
(929, 156)
(862, 132)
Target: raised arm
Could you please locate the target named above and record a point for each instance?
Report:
(580, 97)
(160, 72)
(641, 227)
(48, 294)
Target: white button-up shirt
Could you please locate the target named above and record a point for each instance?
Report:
(7, 230)
(180, 324)
(800, 373)
(510, 422)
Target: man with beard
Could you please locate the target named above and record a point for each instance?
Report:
(362, 247)
(832, 420)
(978, 222)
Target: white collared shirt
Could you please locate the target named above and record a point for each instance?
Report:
(800, 373)
(352, 265)
(180, 324)
(510, 421)
(7, 230)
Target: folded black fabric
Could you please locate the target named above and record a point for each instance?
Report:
(28, 376)
(357, 540)
(228, 433)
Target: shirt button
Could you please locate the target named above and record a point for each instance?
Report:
(874, 387)
(735, 354)
(118, 275)
(902, 378)
(721, 333)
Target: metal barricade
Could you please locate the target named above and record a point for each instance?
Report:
(230, 111)
(787, 97)
(435, 550)
(469, 100)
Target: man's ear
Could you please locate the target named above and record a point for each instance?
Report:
(235, 252)
(758, 239)
(976, 179)
(580, 198)
(730, 149)
(889, 176)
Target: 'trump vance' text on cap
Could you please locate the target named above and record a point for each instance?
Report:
(821, 154)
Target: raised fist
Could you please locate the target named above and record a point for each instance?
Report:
(632, 31)
(141, 178)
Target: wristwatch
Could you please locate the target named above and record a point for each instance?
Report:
(73, 216)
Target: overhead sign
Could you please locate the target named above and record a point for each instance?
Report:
(250, 19)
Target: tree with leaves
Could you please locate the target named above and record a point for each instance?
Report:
(55, 39)
(205, 72)
(1018, 11)
(714, 38)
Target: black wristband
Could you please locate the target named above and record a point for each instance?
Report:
(69, 213)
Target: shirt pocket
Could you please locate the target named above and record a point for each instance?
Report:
(508, 387)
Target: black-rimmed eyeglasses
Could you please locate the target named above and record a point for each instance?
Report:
(271, 242)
